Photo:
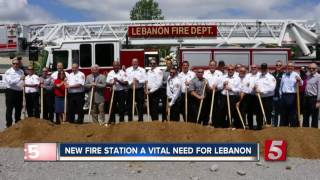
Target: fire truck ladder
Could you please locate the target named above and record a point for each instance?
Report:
(246, 33)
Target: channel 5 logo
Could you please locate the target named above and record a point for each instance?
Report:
(275, 150)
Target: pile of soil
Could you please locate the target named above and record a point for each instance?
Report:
(302, 142)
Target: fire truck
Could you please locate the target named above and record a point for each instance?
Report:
(251, 41)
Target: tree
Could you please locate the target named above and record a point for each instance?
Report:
(146, 10)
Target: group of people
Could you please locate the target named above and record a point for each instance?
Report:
(222, 96)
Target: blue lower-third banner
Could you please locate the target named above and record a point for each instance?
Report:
(158, 152)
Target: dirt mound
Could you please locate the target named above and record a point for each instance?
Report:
(302, 142)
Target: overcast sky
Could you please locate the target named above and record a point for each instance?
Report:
(46, 11)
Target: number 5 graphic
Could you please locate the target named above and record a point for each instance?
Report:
(40, 151)
(33, 151)
(275, 150)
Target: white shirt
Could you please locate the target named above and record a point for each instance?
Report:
(76, 78)
(186, 77)
(154, 78)
(233, 83)
(13, 79)
(245, 84)
(139, 73)
(252, 81)
(266, 84)
(54, 75)
(173, 89)
(120, 75)
(32, 80)
(235, 74)
(213, 78)
(288, 83)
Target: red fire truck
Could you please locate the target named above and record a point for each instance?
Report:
(198, 41)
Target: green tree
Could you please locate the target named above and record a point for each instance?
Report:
(146, 10)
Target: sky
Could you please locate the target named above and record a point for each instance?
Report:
(53, 11)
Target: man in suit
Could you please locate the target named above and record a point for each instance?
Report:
(97, 82)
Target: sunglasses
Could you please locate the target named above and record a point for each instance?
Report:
(278, 65)
(230, 69)
(15, 63)
(200, 72)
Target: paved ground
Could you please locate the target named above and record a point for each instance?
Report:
(12, 166)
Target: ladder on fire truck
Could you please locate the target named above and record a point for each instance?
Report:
(247, 33)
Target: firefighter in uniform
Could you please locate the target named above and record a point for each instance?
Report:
(154, 82)
(213, 76)
(288, 94)
(173, 93)
(136, 79)
(117, 78)
(75, 86)
(96, 81)
(265, 86)
(13, 78)
(251, 98)
(198, 94)
(245, 91)
(31, 84)
(230, 83)
(185, 77)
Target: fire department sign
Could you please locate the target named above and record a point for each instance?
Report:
(172, 31)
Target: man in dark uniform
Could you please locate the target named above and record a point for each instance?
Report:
(163, 89)
(276, 98)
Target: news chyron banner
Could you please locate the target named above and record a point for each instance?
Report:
(141, 152)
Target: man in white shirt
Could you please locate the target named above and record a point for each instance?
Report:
(245, 90)
(154, 82)
(117, 78)
(31, 84)
(136, 79)
(265, 86)
(185, 77)
(59, 67)
(251, 98)
(288, 94)
(213, 77)
(75, 86)
(231, 84)
(173, 93)
(14, 80)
